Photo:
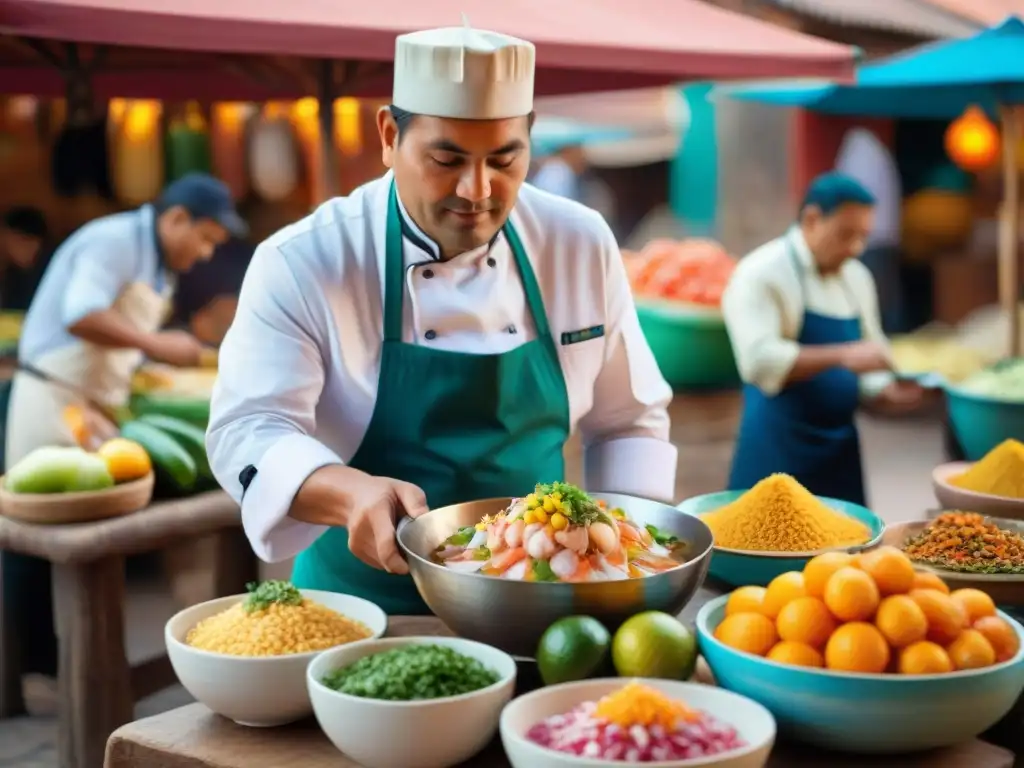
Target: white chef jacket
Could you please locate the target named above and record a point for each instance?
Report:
(763, 306)
(299, 366)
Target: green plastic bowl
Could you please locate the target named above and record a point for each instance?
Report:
(741, 568)
(981, 423)
(690, 344)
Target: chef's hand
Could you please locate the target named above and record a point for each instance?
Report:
(377, 503)
(865, 357)
(178, 348)
(899, 398)
(98, 428)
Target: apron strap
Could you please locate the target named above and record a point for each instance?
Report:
(394, 272)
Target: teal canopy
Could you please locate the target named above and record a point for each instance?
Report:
(936, 80)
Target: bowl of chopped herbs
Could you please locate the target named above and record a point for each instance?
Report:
(411, 702)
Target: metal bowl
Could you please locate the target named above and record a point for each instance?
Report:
(512, 615)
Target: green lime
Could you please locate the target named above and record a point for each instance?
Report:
(654, 644)
(573, 648)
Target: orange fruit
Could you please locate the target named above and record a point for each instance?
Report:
(806, 620)
(946, 619)
(890, 568)
(927, 580)
(748, 632)
(745, 600)
(783, 589)
(924, 658)
(901, 621)
(797, 654)
(855, 561)
(971, 651)
(1000, 635)
(857, 647)
(819, 570)
(851, 595)
(975, 603)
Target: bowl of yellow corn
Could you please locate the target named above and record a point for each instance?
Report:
(245, 656)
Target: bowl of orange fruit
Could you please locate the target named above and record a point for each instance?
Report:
(862, 653)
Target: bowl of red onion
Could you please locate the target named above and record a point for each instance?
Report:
(611, 722)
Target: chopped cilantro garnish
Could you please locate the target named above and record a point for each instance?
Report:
(262, 595)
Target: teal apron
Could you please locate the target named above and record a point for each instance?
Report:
(462, 427)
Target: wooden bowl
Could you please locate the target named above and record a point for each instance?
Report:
(953, 498)
(78, 507)
(1006, 589)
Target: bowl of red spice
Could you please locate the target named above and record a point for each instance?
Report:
(610, 722)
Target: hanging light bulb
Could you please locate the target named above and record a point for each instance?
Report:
(972, 142)
(348, 127)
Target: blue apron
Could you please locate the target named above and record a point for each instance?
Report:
(462, 427)
(808, 429)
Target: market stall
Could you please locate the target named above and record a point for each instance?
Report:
(975, 78)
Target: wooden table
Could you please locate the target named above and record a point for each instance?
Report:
(97, 688)
(194, 737)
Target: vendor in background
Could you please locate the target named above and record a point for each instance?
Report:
(96, 315)
(802, 315)
(23, 232)
(207, 297)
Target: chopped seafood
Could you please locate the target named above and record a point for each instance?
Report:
(558, 533)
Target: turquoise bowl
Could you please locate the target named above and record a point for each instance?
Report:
(742, 567)
(863, 713)
(981, 423)
(689, 343)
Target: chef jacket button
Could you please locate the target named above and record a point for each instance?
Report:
(430, 335)
(428, 273)
(491, 262)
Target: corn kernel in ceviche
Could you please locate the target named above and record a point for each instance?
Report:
(636, 724)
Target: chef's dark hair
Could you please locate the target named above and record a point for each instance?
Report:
(403, 119)
(26, 221)
(830, 191)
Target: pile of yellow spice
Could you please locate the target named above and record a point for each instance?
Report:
(780, 515)
(999, 473)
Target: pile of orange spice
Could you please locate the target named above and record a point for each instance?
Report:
(965, 541)
(1000, 472)
(637, 704)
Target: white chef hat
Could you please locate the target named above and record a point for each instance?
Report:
(464, 73)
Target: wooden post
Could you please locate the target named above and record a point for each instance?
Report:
(330, 185)
(94, 680)
(1009, 229)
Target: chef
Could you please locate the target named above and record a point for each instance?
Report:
(802, 315)
(433, 338)
(95, 315)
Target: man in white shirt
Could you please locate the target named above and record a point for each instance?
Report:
(802, 315)
(432, 338)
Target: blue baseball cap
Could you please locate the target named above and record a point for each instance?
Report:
(205, 197)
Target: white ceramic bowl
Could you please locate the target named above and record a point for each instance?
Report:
(433, 733)
(256, 691)
(754, 724)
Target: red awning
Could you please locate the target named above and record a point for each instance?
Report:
(582, 45)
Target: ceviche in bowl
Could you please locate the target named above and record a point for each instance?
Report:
(559, 533)
(502, 570)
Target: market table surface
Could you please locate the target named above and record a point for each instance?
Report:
(97, 687)
(194, 737)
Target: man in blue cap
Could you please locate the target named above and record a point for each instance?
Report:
(802, 315)
(96, 315)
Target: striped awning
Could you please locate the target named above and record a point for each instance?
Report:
(913, 17)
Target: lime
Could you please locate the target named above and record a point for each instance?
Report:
(573, 648)
(654, 644)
